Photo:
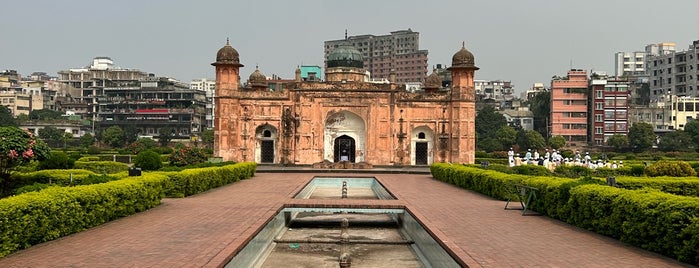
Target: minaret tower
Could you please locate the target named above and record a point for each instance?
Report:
(462, 109)
(226, 103)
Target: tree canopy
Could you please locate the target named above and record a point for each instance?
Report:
(17, 148)
(44, 114)
(6, 117)
(51, 133)
(676, 141)
(541, 109)
(113, 136)
(618, 141)
(641, 136)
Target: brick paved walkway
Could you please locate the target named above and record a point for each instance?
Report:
(204, 230)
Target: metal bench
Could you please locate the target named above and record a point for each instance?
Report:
(526, 195)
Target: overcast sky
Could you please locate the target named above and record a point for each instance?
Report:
(522, 41)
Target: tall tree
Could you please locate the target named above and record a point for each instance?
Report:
(114, 136)
(207, 136)
(692, 129)
(507, 136)
(165, 135)
(618, 141)
(87, 140)
(51, 133)
(6, 117)
(541, 109)
(676, 141)
(535, 140)
(557, 142)
(488, 122)
(641, 136)
(130, 134)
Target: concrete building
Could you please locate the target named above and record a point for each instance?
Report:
(344, 120)
(673, 72)
(520, 117)
(311, 73)
(152, 104)
(569, 107)
(21, 100)
(630, 64)
(536, 88)
(208, 86)
(399, 52)
(608, 108)
(498, 90)
(667, 113)
(89, 80)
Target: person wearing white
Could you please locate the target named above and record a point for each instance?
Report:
(511, 157)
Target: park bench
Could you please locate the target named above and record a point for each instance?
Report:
(526, 195)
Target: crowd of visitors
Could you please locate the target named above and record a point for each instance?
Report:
(553, 158)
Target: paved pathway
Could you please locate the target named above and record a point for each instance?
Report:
(206, 229)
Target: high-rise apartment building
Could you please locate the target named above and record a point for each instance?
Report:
(608, 108)
(569, 107)
(674, 73)
(398, 52)
(630, 64)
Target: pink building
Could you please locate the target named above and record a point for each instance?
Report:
(569, 107)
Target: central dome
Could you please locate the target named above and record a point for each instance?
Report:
(345, 56)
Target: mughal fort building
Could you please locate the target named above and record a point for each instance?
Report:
(343, 120)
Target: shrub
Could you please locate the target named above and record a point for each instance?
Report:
(93, 150)
(148, 160)
(534, 170)
(89, 158)
(102, 167)
(35, 187)
(57, 160)
(670, 168)
(187, 156)
(572, 171)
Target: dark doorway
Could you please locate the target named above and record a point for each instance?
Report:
(267, 151)
(420, 153)
(344, 149)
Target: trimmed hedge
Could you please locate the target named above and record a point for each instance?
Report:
(197, 180)
(102, 167)
(660, 222)
(55, 176)
(656, 221)
(686, 186)
(36, 217)
(53, 212)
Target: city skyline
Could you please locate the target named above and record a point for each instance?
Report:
(522, 42)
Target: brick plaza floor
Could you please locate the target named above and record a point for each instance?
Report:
(206, 229)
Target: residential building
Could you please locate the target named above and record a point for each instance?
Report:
(667, 113)
(151, 104)
(519, 117)
(398, 51)
(608, 108)
(535, 89)
(630, 64)
(208, 86)
(498, 90)
(569, 107)
(89, 80)
(21, 100)
(674, 72)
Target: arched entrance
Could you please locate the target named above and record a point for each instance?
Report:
(344, 130)
(422, 141)
(265, 146)
(344, 149)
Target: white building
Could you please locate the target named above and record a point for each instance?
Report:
(208, 86)
(667, 113)
(494, 89)
(630, 63)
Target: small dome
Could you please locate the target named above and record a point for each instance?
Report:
(462, 58)
(345, 56)
(433, 81)
(257, 76)
(227, 54)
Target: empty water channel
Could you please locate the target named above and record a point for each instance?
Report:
(343, 236)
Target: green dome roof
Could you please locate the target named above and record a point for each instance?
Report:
(345, 56)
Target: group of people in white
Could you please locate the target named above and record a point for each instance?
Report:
(553, 158)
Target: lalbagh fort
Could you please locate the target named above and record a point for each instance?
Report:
(343, 119)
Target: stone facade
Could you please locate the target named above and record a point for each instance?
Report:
(344, 118)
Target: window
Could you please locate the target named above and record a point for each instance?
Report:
(669, 70)
(421, 135)
(267, 134)
(598, 130)
(599, 105)
(598, 118)
(599, 94)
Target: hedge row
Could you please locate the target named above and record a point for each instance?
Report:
(686, 186)
(36, 217)
(102, 167)
(660, 222)
(197, 180)
(54, 176)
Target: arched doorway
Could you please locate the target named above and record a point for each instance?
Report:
(422, 141)
(344, 130)
(265, 146)
(344, 149)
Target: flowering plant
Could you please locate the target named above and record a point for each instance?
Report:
(187, 156)
(18, 147)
